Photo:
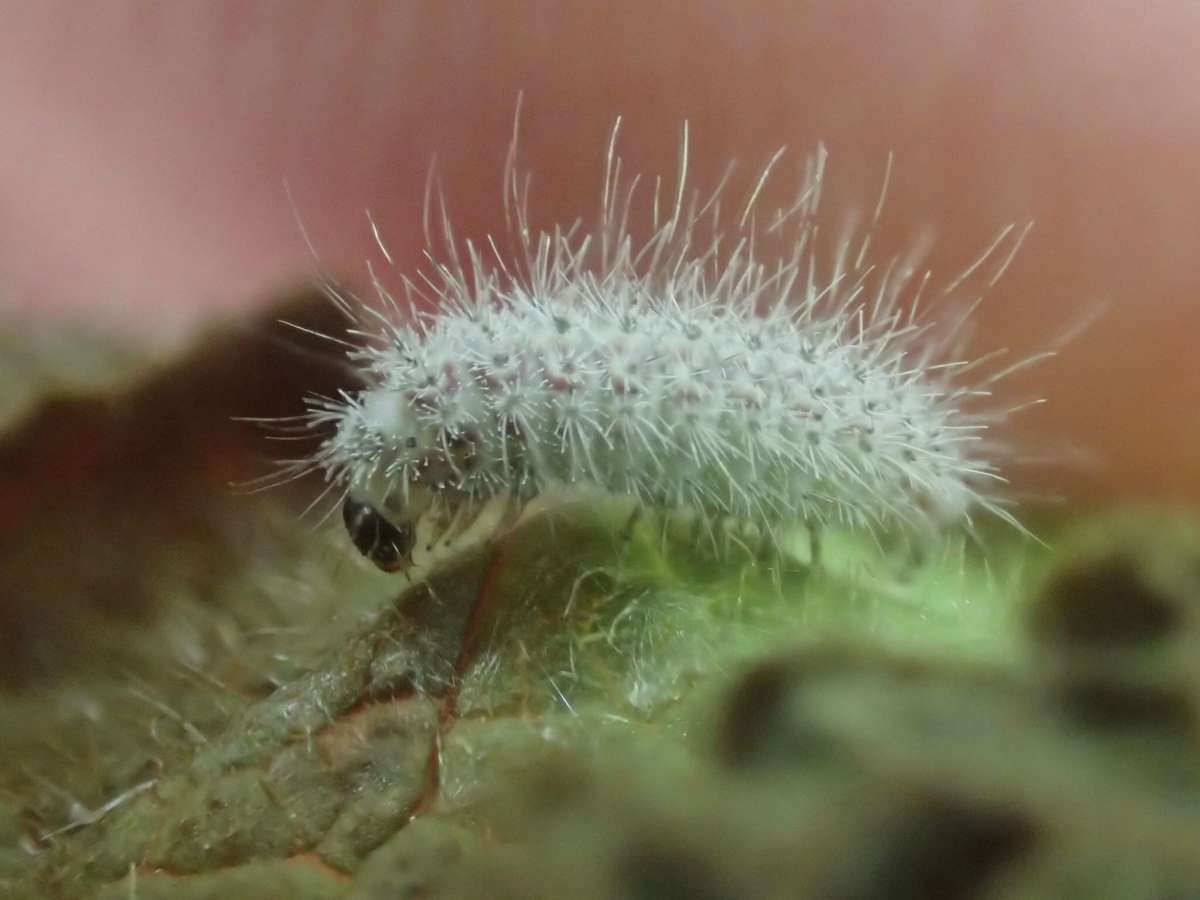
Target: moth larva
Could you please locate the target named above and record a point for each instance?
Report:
(719, 367)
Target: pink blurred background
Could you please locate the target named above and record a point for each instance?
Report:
(145, 145)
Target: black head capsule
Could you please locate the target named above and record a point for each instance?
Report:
(388, 546)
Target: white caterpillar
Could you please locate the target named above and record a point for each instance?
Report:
(716, 367)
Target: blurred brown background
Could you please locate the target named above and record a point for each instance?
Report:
(144, 145)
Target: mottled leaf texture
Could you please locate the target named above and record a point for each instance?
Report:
(207, 692)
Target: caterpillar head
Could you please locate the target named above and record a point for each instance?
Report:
(389, 545)
(406, 477)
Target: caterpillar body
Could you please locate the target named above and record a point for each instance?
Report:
(712, 368)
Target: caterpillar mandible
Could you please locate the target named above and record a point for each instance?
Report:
(718, 367)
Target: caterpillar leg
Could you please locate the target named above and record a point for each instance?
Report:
(739, 535)
(704, 533)
(768, 557)
(459, 521)
(510, 512)
(624, 536)
(814, 545)
(626, 532)
(767, 548)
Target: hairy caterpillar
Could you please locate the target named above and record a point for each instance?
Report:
(717, 367)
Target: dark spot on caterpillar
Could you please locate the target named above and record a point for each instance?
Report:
(388, 546)
(561, 325)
